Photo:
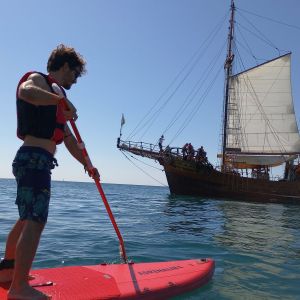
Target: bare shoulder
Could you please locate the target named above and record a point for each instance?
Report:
(35, 82)
(36, 79)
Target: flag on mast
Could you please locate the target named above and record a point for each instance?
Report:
(122, 120)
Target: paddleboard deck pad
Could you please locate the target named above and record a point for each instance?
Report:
(155, 280)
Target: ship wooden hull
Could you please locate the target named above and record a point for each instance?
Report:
(190, 178)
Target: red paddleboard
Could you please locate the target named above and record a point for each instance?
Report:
(158, 280)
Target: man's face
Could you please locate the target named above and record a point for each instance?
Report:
(70, 76)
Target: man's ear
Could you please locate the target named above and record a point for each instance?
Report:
(66, 67)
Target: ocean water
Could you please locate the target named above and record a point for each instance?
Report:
(256, 247)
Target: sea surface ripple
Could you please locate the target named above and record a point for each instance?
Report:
(256, 247)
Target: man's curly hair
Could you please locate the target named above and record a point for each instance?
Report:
(63, 54)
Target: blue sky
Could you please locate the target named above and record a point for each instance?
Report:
(134, 49)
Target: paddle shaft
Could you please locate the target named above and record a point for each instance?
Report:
(99, 187)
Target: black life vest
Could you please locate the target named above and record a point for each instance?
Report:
(41, 121)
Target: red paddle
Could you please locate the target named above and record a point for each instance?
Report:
(91, 171)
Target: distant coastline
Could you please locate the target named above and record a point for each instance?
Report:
(104, 183)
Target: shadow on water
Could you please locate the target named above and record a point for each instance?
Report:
(193, 215)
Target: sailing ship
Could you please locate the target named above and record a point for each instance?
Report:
(259, 133)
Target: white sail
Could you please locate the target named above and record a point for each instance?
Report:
(261, 116)
(245, 161)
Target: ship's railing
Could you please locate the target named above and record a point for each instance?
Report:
(125, 145)
(153, 151)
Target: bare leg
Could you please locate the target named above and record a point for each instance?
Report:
(12, 239)
(11, 243)
(25, 252)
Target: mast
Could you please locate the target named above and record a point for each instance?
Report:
(228, 72)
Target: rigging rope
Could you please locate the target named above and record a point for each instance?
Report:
(184, 103)
(198, 105)
(270, 19)
(247, 47)
(156, 168)
(148, 120)
(190, 66)
(264, 37)
(192, 95)
(143, 170)
(267, 41)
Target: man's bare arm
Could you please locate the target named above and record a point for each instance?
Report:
(71, 144)
(35, 91)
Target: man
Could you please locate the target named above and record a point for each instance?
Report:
(42, 126)
(160, 142)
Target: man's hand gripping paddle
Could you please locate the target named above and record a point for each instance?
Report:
(91, 171)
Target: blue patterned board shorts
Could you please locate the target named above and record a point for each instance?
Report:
(32, 169)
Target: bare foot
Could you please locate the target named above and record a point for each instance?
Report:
(26, 293)
(8, 274)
